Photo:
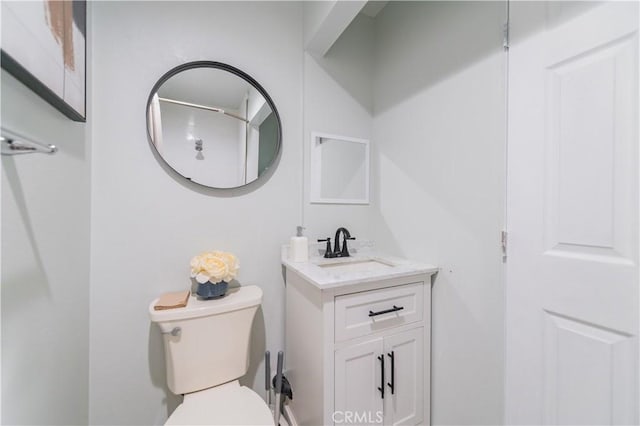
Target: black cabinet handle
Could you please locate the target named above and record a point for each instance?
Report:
(393, 369)
(381, 387)
(386, 311)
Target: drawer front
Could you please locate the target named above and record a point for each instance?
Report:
(359, 314)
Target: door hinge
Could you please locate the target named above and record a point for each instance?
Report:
(503, 243)
(505, 36)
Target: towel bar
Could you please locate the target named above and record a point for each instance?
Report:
(14, 144)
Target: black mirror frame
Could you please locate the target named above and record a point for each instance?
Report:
(225, 67)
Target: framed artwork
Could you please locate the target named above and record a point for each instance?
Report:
(44, 46)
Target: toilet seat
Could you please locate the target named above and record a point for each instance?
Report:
(228, 404)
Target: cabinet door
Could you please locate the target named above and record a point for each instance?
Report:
(404, 398)
(358, 375)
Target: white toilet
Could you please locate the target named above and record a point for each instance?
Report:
(207, 349)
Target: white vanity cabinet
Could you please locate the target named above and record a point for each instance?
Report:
(392, 364)
(358, 346)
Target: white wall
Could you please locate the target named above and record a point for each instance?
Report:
(147, 223)
(338, 101)
(45, 266)
(438, 139)
(425, 82)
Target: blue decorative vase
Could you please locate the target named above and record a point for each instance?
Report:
(211, 290)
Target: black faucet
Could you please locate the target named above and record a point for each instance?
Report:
(344, 251)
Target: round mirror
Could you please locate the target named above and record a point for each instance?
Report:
(213, 124)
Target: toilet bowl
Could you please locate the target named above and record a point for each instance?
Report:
(228, 404)
(206, 350)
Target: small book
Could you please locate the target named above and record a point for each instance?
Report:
(174, 300)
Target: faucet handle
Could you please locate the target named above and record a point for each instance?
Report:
(345, 250)
(328, 253)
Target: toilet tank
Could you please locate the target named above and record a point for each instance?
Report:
(212, 344)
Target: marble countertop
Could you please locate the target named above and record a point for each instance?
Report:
(327, 273)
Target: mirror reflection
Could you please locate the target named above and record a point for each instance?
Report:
(213, 124)
(339, 169)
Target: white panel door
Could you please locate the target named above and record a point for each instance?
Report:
(358, 379)
(572, 269)
(404, 398)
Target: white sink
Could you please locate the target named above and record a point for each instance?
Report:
(355, 265)
(366, 266)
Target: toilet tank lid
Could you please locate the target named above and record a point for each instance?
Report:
(236, 298)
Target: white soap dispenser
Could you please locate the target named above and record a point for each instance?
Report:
(299, 247)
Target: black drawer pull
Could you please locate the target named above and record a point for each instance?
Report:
(386, 311)
(381, 387)
(392, 385)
